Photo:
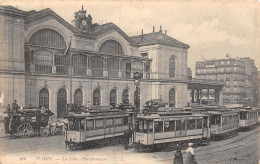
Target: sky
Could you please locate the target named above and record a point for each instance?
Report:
(212, 28)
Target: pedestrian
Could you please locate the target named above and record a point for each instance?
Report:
(14, 107)
(178, 159)
(126, 139)
(6, 122)
(191, 155)
(131, 132)
(43, 110)
(8, 109)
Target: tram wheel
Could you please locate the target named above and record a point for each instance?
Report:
(25, 130)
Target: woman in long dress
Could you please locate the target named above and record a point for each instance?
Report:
(191, 155)
(178, 159)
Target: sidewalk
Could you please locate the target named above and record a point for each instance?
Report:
(2, 129)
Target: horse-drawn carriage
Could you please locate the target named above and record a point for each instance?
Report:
(27, 123)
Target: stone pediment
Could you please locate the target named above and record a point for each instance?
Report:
(33, 15)
(105, 28)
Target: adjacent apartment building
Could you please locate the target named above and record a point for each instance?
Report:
(239, 74)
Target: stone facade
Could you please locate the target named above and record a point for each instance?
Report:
(239, 74)
(34, 67)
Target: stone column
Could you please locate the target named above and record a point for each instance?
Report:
(192, 95)
(119, 69)
(216, 95)
(89, 71)
(144, 69)
(132, 73)
(198, 94)
(208, 93)
(105, 71)
(54, 71)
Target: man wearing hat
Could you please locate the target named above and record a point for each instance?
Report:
(191, 155)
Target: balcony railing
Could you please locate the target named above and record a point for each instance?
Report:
(83, 71)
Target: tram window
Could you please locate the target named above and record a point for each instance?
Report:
(242, 116)
(125, 120)
(205, 124)
(90, 124)
(168, 126)
(109, 122)
(82, 124)
(199, 123)
(137, 126)
(215, 120)
(180, 125)
(99, 123)
(145, 126)
(140, 126)
(118, 121)
(74, 124)
(191, 124)
(158, 126)
(150, 126)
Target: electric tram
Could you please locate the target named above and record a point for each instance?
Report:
(248, 118)
(164, 130)
(97, 128)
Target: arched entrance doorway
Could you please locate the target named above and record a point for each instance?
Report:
(61, 103)
(44, 98)
(78, 97)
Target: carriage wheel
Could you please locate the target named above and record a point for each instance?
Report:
(25, 130)
(44, 132)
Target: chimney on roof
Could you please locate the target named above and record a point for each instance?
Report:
(153, 29)
(160, 28)
(165, 32)
(142, 37)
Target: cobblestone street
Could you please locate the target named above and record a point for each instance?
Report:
(241, 149)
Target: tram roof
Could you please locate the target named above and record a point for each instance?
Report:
(101, 113)
(172, 116)
(221, 112)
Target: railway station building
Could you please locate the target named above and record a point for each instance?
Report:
(35, 70)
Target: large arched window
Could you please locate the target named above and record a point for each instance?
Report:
(47, 37)
(78, 97)
(113, 67)
(111, 47)
(96, 65)
(113, 97)
(96, 97)
(44, 98)
(172, 67)
(172, 98)
(125, 96)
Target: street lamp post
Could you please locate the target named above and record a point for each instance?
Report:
(137, 80)
(30, 84)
